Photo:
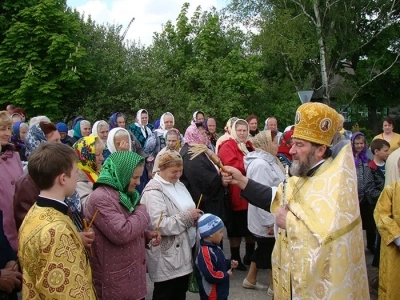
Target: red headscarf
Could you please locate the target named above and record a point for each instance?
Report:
(286, 143)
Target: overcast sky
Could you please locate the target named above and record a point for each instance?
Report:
(149, 14)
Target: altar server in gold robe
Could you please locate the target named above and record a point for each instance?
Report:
(387, 218)
(51, 253)
(319, 250)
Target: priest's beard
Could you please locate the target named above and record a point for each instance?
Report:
(301, 168)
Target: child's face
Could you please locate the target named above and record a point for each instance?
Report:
(383, 153)
(216, 237)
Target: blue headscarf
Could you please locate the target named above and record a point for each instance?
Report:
(62, 127)
(113, 120)
(15, 136)
(77, 130)
(362, 157)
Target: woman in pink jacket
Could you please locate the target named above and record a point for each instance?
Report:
(10, 171)
(119, 260)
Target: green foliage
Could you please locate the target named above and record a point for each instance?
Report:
(40, 58)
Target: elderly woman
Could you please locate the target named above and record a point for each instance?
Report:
(118, 140)
(141, 129)
(82, 128)
(118, 131)
(10, 171)
(172, 211)
(101, 129)
(63, 130)
(200, 175)
(90, 157)
(389, 135)
(117, 119)
(19, 131)
(232, 152)
(119, 260)
(365, 186)
(264, 167)
(156, 141)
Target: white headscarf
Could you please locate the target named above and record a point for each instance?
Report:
(110, 140)
(162, 125)
(140, 125)
(242, 146)
(392, 169)
(95, 128)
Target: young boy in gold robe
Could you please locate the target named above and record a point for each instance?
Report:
(51, 253)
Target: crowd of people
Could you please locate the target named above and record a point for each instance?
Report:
(86, 211)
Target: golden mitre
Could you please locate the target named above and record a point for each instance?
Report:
(316, 122)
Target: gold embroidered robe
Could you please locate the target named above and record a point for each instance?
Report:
(52, 257)
(387, 218)
(320, 255)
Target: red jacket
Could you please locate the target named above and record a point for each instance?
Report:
(231, 155)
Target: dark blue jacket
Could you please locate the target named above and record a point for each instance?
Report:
(212, 272)
(6, 254)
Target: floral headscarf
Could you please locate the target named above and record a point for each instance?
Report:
(117, 172)
(86, 151)
(285, 143)
(33, 139)
(362, 156)
(77, 130)
(193, 136)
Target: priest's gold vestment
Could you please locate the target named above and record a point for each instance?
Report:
(320, 255)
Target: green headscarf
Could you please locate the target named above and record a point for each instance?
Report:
(117, 172)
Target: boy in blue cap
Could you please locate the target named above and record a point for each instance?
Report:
(213, 269)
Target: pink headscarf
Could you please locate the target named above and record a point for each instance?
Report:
(194, 136)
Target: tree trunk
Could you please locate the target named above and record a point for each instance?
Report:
(322, 55)
(374, 121)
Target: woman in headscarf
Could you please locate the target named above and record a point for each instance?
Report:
(82, 128)
(232, 152)
(210, 124)
(227, 134)
(365, 186)
(118, 140)
(101, 129)
(119, 260)
(200, 175)
(90, 157)
(142, 129)
(387, 220)
(10, 171)
(63, 130)
(172, 211)
(19, 131)
(157, 140)
(117, 119)
(198, 117)
(264, 167)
